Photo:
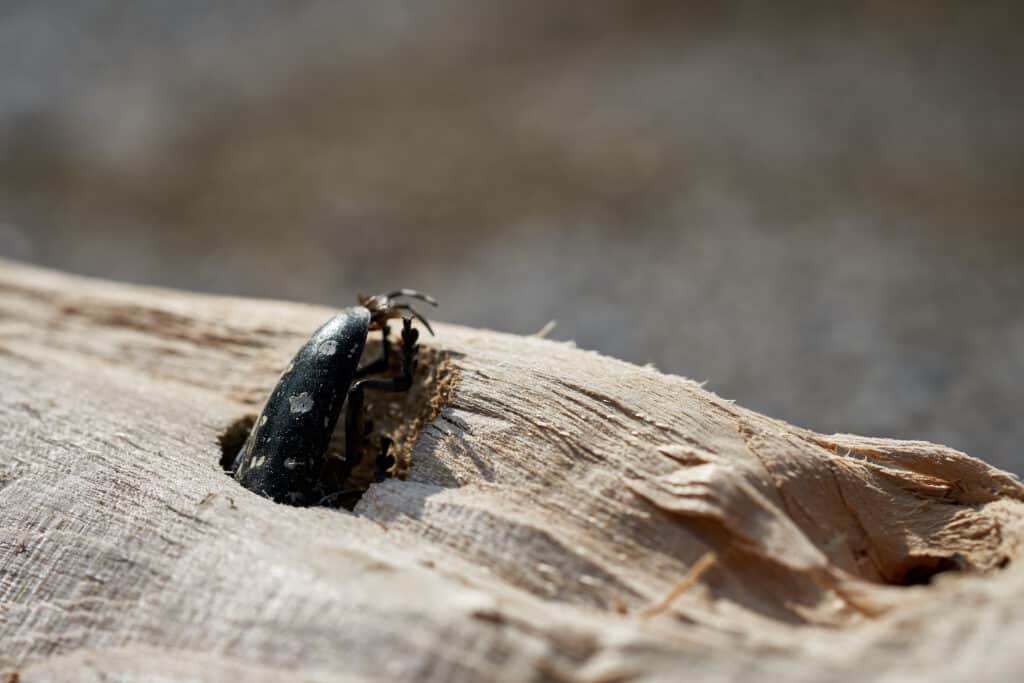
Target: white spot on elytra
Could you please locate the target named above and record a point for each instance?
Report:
(263, 420)
(327, 348)
(257, 462)
(292, 463)
(300, 404)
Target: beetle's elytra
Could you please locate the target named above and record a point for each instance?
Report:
(283, 458)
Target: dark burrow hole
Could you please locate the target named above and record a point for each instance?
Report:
(232, 439)
(919, 571)
(393, 418)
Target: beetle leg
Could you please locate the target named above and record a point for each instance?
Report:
(382, 363)
(354, 406)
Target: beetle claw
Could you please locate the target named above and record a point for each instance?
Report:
(409, 333)
(415, 314)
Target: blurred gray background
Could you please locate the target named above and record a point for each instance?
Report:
(815, 209)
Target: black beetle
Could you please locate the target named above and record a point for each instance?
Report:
(283, 458)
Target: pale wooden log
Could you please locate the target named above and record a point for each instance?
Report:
(566, 517)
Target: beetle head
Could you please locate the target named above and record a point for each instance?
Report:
(384, 307)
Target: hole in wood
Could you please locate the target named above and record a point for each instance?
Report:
(232, 439)
(919, 571)
(395, 418)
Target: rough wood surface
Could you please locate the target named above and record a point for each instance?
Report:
(566, 517)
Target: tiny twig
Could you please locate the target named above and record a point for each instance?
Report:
(706, 562)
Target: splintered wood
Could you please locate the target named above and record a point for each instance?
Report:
(563, 516)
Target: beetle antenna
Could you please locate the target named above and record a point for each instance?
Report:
(415, 294)
(383, 306)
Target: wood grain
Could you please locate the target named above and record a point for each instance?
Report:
(555, 506)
